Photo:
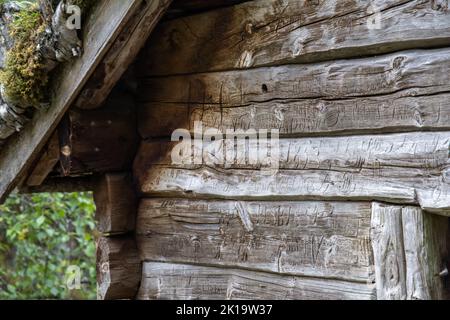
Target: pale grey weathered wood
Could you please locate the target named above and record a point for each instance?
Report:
(273, 32)
(386, 113)
(181, 281)
(319, 239)
(409, 247)
(424, 238)
(401, 168)
(389, 252)
(416, 72)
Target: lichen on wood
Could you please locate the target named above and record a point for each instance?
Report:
(35, 39)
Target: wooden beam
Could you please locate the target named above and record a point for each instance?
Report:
(46, 163)
(122, 53)
(118, 268)
(105, 24)
(116, 203)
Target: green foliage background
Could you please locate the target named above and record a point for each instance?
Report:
(42, 235)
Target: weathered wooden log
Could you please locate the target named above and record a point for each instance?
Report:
(116, 203)
(118, 268)
(272, 32)
(413, 73)
(386, 113)
(409, 249)
(400, 168)
(389, 252)
(317, 239)
(100, 140)
(181, 281)
(385, 155)
(46, 163)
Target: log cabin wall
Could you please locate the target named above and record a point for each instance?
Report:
(359, 91)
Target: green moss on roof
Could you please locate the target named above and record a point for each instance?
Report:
(24, 76)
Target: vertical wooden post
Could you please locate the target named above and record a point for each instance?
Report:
(118, 263)
(410, 250)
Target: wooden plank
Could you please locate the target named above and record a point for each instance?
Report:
(424, 238)
(116, 203)
(410, 252)
(104, 25)
(389, 252)
(46, 163)
(122, 53)
(272, 32)
(188, 282)
(413, 73)
(398, 168)
(118, 268)
(387, 113)
(317, 239)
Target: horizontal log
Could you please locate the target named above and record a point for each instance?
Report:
(116, 203)
(419, 154)
(118, 268)
(387, 113)
(272, 32)
(46, 163)
(400, 168)
(318, 239)
(410, 252)
(413, 73)
(187, 282)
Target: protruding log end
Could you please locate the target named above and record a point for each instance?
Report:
(116, 203)
(118, 268)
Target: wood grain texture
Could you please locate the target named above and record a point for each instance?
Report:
(103, 26)
(181, 281)
(424, 238)
(318, 239)
(410, 251)
(118, 268)
(122, 53)
(389, 252)
(116, 203)
(46, 163)
(272, 32)
(413, 73)
(400, 168)
(307, 117)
